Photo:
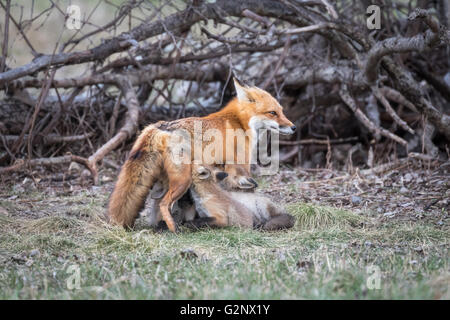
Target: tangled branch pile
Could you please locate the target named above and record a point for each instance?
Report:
(359, 96)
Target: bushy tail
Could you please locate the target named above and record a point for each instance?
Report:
(137, 176)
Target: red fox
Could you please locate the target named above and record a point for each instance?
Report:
(233, 208)
(218, 203)
(152, 159)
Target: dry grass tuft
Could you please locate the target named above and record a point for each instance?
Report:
(310, 216)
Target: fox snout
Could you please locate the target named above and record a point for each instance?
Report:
(286, 127)
(287, 130)
(283, 127)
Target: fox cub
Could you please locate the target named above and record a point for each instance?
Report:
(215, 200)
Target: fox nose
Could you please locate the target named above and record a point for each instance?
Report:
(293, 128)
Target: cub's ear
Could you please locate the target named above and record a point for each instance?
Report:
(241, 91)
(247, 183)
(221, 175)
(203, 173)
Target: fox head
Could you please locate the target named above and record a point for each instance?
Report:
(216, 175)
(261, 110)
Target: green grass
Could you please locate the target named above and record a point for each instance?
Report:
(325, 256)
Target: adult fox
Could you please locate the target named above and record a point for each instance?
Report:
(152, 156)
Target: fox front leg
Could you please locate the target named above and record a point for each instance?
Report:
(179, 181)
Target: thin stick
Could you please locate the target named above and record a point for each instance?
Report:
(5, 36)
(350, 102)
(33, 52)
(309, 28)
(279, 63)
(318, 141)
(377, 93)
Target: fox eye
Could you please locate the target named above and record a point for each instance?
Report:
(251, 100)
(272, 113)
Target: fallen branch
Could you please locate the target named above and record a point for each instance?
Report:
(46, 162)
(52, 138)
(286, 156)
(177, 21)
(5, 36)
(412, 90)
(256, 17)
(279, 63)
(126, 132)
(397, 97)
(318, 141)
(380, 169)
(377, 93)
(310, 28)
(384, 167)
(190, 72)
(350, 102)
(419, 43)
(330, 9)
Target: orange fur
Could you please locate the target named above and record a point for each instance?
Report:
(234, 208)
(138, 174)
(151, 159)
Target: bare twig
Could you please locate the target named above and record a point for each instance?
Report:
(45, 162)
(318, 141)
(252, 15)
(418, 43)
(5, 36)
(397, 97)
(349, 101)
(33, 51)
(310, 28)
(377, 93)
(127, 131)
(279, 64)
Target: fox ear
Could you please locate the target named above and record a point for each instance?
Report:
(203, 173)
(241, 91)
(247, 183)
